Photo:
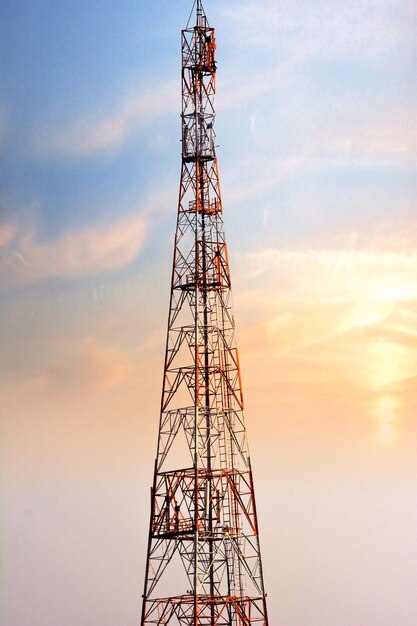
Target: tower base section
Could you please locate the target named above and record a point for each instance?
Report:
(205, 610)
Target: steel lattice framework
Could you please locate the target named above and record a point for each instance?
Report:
(203, 562)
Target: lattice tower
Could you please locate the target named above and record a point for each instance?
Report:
(203, 562)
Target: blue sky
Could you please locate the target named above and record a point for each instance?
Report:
(80, 85)
(317, 153)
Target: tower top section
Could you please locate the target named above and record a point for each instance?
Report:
(198, 88)
(200, 15)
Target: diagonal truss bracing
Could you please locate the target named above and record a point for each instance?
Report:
(203, 563)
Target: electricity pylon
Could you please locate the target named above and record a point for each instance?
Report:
(203, 562)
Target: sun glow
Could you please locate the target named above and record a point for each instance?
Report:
(387, 414)
(351, 313)
(389, 364)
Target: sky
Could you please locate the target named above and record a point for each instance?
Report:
(317, 152)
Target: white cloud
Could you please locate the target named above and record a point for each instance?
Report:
(26, 259)
(258, 83)
(334, 306)
(348, 139)
(367, 283)
(335, 323)
(356, 27)
(107, 131)
(298, 33)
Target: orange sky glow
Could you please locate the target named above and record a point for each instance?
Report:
(317, 162)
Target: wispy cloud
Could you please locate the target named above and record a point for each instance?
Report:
(260, 82)
(108, 130)
(345, 319)
(81, 366)
(105, 246)
(87, 366)
(359, 28)
(324, 146)
(299, 34)
(354, 289)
